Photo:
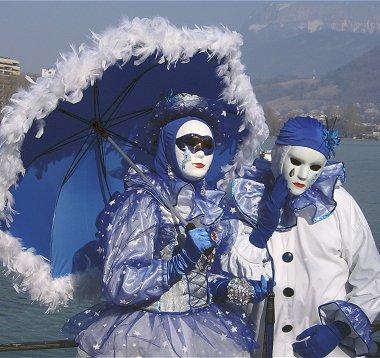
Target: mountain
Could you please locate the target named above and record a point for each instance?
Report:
(306, 39)
(297, 17)
(305, 55)
(359, 79)
(356, 82)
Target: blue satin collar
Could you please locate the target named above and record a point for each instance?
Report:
(181, 194)
(315, 204)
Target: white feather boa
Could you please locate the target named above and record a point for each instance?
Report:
(73, 74)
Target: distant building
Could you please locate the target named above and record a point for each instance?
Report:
(9, 66)
(10, 78)
(48, 72)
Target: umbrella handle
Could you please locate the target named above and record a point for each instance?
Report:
(168, 205)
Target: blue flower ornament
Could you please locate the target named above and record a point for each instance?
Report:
(331, 139)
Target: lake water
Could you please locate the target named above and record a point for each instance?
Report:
(22, 321)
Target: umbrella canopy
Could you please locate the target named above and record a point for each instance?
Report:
(52, 133)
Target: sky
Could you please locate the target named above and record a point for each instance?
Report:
(36, 32)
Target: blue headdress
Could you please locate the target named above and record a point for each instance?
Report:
(181, 105)
(309, 132)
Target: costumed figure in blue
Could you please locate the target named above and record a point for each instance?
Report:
(326, 264)
(156, 276)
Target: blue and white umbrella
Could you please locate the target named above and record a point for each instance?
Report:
(54, 144)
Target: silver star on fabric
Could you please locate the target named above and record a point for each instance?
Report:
(248, 186)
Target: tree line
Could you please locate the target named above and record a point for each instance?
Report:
(346, 120)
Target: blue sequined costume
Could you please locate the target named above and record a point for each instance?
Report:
(144, 315)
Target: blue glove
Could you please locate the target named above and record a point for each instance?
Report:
(322, 340)
(219, 288)
(260, 289)
(269, 213)
(197, 242)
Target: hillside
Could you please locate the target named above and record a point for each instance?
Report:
(359, 79)
(311, 16)
(299, 39)
(306, 54)
(356, 82)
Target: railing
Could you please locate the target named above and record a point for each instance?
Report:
(65, 343)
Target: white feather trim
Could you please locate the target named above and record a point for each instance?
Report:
(73, 74)
(31, 273)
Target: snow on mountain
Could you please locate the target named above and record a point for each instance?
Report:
(360, 17)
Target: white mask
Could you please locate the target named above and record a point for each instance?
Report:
(301, 168)
(194, 166)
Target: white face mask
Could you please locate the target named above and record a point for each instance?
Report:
(301, 168)
(194, 149)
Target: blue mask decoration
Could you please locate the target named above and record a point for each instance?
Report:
(309, 132)
(166, 148)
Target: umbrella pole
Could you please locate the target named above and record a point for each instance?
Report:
(168, 205)
(269, 326)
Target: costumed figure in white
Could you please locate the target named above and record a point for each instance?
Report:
(327, 266)
(156, 275)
